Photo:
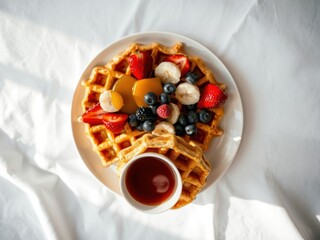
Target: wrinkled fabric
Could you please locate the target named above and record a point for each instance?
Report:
(271, 48)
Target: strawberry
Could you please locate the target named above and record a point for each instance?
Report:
(141, 64)
(164, 111)
(180, 60)
(115, 122)
(212, 96)
(94, 115)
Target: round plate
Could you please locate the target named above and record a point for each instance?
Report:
(222, 150)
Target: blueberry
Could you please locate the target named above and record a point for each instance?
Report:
(140, 127)
(169, 88)
(133, 121)
(205, 116)
(191, 129)
(192, 117)
(179, 129)
(148, 126)
(154, 108)
(192, 107)
(164, 98)
(150, 98)
(183, 120)
(192, 77)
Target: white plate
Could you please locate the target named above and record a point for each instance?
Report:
(222, 150)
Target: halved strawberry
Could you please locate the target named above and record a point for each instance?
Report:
(94, 115)
(141, 64)
(115, 122)
(212, 96)
(181, 60)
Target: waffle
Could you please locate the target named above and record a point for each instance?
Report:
(187, 157)
(186, 151)
(108, 145)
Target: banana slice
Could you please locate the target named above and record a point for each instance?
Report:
(163, 128)
(111, 101)
(175, 112)
(168, 72)
(187, 93)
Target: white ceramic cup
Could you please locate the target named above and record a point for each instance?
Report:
(147, 208)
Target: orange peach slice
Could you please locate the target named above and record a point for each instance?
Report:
(143, 86)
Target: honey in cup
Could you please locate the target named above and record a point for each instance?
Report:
(151, 183)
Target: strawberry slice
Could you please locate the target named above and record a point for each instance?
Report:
(94, 115)
(115, 122)
(180, 60)
(141, 64)
(212, 96)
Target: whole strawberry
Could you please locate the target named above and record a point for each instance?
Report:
(140, 64)
(164, 111)
(212, 96)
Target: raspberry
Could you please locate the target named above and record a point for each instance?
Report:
(164, 111)
(145, 113)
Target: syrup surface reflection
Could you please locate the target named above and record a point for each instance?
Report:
(150, 181)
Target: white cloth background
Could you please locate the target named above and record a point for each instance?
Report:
(271, 190)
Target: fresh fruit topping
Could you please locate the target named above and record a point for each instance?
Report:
(175, 112)
(192, 107)
(205, 116)
(164, 98)
(164, 111)
(141, 64)
(169, 88)
(140, 127)
(93, 115)
(187, 93)
(150, 98)
(191, 129)
(133, 121)
(183, 120)
(181, 61)
(154, 108)
(142, 87)
(145, 113)
(192, 117)
(115, 122)
(111, 101)
(168, 72)
(148, 126)
(192, 77)
(212, 96)
(163, 128)
(179, 129)
(124, 87)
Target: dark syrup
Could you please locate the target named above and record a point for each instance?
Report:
(150, 181)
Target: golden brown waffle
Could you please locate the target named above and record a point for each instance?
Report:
(108, 145)
(102, 78)
(188, 158)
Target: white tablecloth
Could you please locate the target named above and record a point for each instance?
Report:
(271, 191)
